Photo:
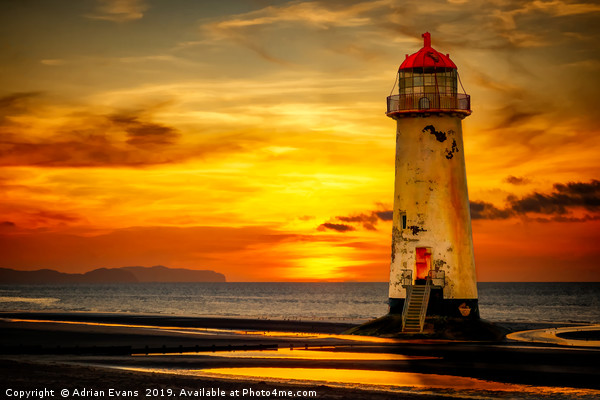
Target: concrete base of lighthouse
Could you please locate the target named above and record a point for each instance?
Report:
(436, 327)
(438, 306)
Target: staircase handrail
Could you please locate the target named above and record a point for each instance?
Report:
(405, 307)
(424, 305)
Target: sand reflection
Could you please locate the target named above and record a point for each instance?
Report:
(322, 353)
(360, 376)
(402, 382)
(217, 331)
(173, 329)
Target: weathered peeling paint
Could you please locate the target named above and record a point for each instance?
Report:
(439, 135)
(432, 192)
(453, 149)
(415, 229)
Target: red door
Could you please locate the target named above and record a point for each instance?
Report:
(423, 262)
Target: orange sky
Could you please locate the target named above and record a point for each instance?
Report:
(250, 137)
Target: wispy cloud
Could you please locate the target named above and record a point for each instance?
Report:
(245, 29)
(319, 14)
(31, 216)
(560, 8)
(32, 133)
(119, 10)
(53, 62)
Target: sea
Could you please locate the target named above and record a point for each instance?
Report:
(336, 302)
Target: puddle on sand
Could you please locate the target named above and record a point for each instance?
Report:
(308, 335)
(324, 353)
(550, 335)
(174, 329)
(216, 331)
(401, 382)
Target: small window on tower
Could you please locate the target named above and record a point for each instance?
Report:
(403, 220)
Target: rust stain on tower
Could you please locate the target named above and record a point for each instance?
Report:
(432, 270)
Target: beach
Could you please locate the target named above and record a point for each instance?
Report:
(96, 355)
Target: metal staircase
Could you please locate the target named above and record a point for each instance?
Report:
(415, 308)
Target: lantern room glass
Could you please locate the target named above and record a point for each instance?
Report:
(428, 81)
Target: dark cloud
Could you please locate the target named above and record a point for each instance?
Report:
(45, 215)
(387, 215)
(557, 205)
(85, 139)
(93, 151)
(336, 227)
(484, 210)
(587, 191)
(34, 218)
(16, 103)
(145, 134)
(515, 115)
(367, 220)
(7, 227)
(560, 218)
(564, 196)
(515, 180)
(538, 203)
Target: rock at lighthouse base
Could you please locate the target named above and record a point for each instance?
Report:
(436, 327)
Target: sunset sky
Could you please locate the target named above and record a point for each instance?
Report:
(250, 137)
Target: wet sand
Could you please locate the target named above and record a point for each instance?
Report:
(243, 354)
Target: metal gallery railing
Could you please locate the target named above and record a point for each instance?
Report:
(422, 102)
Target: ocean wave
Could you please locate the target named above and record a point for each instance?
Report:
(36, 300)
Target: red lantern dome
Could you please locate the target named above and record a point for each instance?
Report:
(428, 83)
(427, 57)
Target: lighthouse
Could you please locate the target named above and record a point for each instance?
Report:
(432, 268)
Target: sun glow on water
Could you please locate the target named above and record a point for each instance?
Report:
(401, 382)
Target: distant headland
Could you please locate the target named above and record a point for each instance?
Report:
(157, 273)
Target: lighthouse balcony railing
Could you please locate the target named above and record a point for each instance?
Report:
(423, 102)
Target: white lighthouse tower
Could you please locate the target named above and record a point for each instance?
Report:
(432, 270)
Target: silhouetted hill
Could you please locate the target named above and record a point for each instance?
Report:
(160, 273)
(111, 275)
(8, 275)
